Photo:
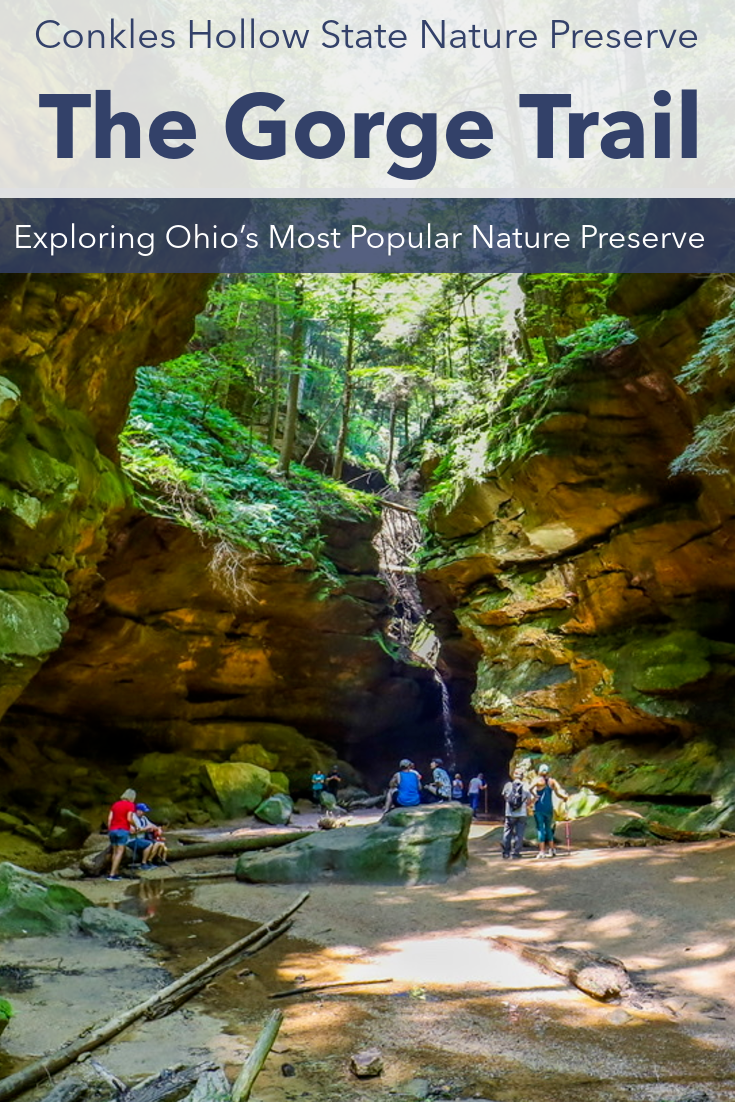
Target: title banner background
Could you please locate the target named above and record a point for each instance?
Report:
(203, 83)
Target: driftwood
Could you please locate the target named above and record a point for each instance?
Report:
(210, 1087)
(603, 978)
(168, 1084)
(107, 1076)
(672, 834)
(251, 1068)
(192, 981)
(323, 987)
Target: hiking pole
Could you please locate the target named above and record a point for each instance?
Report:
(568, 835)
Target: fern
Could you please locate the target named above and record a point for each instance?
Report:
(713, 437)
(716, 354)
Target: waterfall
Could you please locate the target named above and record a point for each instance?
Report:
(449, 754)
(397, 543)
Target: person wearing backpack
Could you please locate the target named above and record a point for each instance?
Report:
(517, 796)
(544, 788)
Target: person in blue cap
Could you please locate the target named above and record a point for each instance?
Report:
(148, 841)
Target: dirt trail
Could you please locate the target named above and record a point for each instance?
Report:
(471, 1019)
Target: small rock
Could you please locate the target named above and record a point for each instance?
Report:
(68, 873)
(619, 1017)
(416, 1088)
(367, 1064)
(112, 925)
(288, 1070)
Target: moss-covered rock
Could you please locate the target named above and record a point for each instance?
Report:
(408, 846)
(31, 905)
(238, 787)
(276, 810)
(255, 754)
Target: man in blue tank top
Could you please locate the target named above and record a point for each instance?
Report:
(404, 788)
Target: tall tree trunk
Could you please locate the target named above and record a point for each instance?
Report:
(391, 439)
(297, 357)
(339, 456)
(276, 366)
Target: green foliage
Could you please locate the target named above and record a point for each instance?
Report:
(6, 1010)
(504, 434)
(197, 464)
(715, 355)
(713, 437)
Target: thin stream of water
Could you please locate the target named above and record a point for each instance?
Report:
(449, 748)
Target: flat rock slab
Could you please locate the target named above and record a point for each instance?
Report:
(407, 846)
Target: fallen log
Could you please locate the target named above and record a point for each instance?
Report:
(27, 1077)
(198, 982)
(226, 846)
(673, 834)
(323, 987)
(251, 1068)
(94, 864)
(602, 978)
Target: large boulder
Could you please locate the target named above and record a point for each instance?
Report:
(408, 846)
(31, 905)
(237, 786)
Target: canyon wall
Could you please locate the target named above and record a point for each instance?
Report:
(124, 634)
(594, 588)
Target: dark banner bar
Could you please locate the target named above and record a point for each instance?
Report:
(367, 235)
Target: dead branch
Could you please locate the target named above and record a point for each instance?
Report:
(251, 1068)
(27, 1077)
(323, 987)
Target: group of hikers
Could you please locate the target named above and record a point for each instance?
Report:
(322, 782)
(128, 827)
(538, 797)
(406, 787)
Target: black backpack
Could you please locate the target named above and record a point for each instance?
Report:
(515, 796)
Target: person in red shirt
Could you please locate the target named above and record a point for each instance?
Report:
(120, 825)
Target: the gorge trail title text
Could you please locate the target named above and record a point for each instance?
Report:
(322, 134)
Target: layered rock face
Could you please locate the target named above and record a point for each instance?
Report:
(175, 651)
(69, 347)
(596, 588)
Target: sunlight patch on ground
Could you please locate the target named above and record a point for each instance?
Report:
(493, 891)
(617, 924)
(708, 949)
(447, 961)
(714, 979)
